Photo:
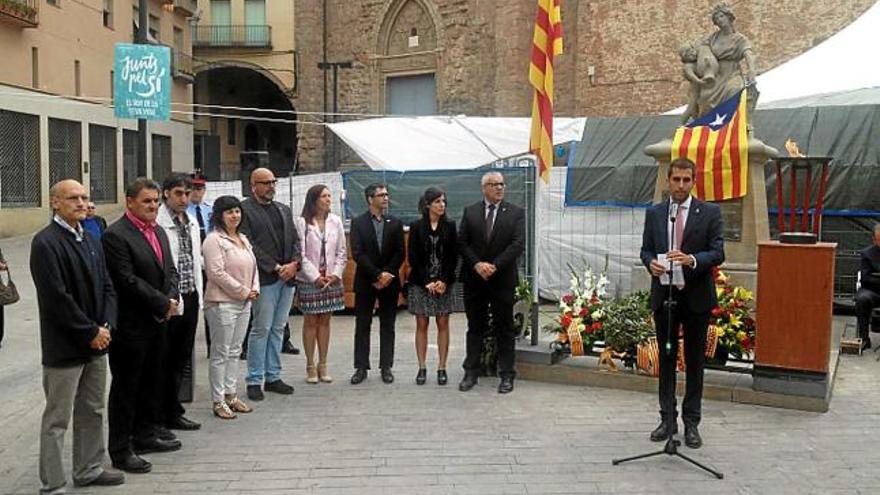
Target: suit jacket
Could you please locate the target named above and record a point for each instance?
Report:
(371, 262)
(335, 251)
(165, 220)
(702, 238)
(419, 249)
(144, 286)
(271, 248)
(503, 248)
(74, 294)
(870, 268)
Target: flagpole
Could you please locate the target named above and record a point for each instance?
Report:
(533, 248)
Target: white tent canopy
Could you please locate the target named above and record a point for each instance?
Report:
(843, 62)
(445, 143)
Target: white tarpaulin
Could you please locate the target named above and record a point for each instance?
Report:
(445, 143)
(843, 62)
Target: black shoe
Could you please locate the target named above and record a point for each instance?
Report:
(165, 434)
(278, 387)
(131, 463)
(387, 375)
(289, 348)
(662, 432)
(359, 375)
(467, 382)
(692, 437)
(106, 478)
(156, 445)
(254, 392)
(866, 343)
(506, 385)
(442, 379)
(421, 376)
(183, 423)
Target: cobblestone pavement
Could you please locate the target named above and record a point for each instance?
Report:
(405, 439)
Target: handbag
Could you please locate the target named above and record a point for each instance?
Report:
(8, 291)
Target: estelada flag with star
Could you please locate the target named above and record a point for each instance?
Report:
(718, 143)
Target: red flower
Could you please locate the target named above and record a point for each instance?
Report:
(568, 298)
(583, 313)
(746, 343)
(594, 299)
(596, 326)
(716, 311)
(565, 321)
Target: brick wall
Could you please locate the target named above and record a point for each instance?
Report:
(483, 48)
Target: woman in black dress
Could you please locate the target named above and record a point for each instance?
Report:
(432, 256)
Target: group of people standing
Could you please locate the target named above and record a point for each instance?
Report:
(135, 290)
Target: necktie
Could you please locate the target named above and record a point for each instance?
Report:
(679, 233)
(201, 222)
(490, 222)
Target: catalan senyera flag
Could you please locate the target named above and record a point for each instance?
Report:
(718, 143)
(546, 44)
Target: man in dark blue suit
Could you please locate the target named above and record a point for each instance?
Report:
(694, 228)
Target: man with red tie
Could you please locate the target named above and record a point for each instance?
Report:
(681, 244)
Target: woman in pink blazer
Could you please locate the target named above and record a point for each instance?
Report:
(319, 281)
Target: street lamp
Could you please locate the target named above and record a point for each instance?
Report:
(334, 66)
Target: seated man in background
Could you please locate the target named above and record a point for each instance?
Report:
(868, 296)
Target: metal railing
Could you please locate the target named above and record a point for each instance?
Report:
(20, 12)
(220, 36)
(181, 64)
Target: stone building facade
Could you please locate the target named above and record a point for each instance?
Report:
(619, 54)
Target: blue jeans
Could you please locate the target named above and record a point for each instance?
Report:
(271, 311)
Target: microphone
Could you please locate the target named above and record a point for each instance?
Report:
(673, 211)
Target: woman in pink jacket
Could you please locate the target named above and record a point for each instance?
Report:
(319, 281)
(233, 283)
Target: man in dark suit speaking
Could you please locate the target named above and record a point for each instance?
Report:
(490, 240)
(697, 246)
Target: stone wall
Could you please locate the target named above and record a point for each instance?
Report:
(482, 49)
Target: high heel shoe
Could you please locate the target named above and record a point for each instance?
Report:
(442, 379)
(422, 376)
(311, 374)
(322, 373)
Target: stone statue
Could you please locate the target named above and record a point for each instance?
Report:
(718, 66)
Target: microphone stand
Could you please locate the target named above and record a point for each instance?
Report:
(671, 447)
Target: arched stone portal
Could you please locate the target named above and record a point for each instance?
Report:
(221, 134)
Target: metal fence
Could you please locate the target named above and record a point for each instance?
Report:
(19, 159)
(65, 150)
(102, 156)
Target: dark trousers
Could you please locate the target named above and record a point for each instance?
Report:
(479, 302)
(364, 302)
(207, 329)
(133, 408)
(695, 326)
(866, 301)
(178, 355)
(2, 324)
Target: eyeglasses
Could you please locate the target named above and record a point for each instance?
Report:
(267, 182)
(495, 184)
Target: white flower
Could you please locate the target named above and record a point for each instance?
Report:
(597, 315)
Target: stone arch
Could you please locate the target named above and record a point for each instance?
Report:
(241, 64)
(391, 13)
(393, 56)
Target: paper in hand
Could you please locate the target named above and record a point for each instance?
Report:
(677, 272)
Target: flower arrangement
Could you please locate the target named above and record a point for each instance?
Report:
(581, 311)
(734, 318)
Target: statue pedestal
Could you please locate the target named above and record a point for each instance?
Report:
(746, 220)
